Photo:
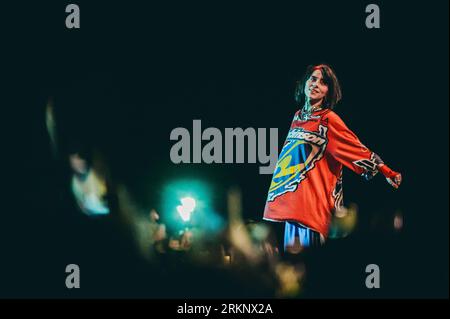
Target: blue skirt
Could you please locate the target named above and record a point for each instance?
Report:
(306, 236)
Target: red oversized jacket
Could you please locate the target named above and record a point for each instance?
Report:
(307, 182)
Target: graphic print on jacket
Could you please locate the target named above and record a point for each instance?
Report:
(300, 152)
(306, 186)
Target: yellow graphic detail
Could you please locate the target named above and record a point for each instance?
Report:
(286, 169)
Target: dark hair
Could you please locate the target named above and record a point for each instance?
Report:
(334, 94)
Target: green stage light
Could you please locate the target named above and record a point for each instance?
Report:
(188, 204)
(186, 208)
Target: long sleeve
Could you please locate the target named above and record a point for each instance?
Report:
(347, 149)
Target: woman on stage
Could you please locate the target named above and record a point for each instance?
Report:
(306, 185)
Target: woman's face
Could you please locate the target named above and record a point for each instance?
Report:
(315, 89)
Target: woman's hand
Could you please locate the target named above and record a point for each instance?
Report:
(392, 177)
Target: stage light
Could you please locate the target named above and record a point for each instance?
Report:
(186, 208)
(398, 221)
(343, 222)
(188, 203)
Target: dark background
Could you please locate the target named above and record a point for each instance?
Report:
(230, 65)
